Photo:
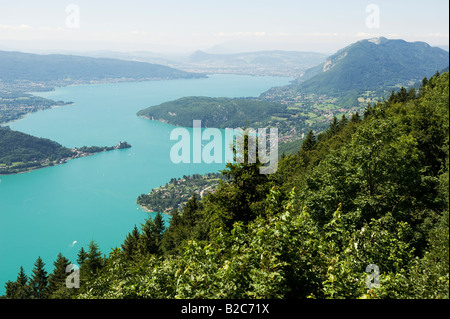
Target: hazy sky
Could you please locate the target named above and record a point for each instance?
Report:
(235, 25)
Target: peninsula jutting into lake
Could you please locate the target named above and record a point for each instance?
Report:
(20, 153)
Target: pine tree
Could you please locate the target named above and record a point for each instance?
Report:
(19, 288)
(355, 118)
(243, 197)
(57, 279)
(82, 256)
(158, 230)
(94, 261)
(190, 211)
(402, 95)
(159, 225)
(147, 242)
(131, 243)
(343, 122)
(39, 280)
(22, 278)
(171, 237)
(412, 94)
(392, 97)
(334, 127)
(309, 142)
(368, 111)
(83, 264)
(152, 233)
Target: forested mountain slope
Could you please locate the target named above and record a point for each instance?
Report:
(368, 68)
(19, 66)
(374, 63)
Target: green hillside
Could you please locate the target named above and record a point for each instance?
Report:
(376, 63)
(363, 72)
(18, 66)
(20, 152)
(213, 112)
(292, 123)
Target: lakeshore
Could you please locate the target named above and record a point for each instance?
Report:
(94, 197)
(21, 167)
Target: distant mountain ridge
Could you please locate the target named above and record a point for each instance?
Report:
(255, 57)
(58, 67)
(271, 62)
(374, 63)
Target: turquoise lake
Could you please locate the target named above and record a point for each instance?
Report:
(63, 208)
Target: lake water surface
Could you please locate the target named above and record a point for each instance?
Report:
(63, 208)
